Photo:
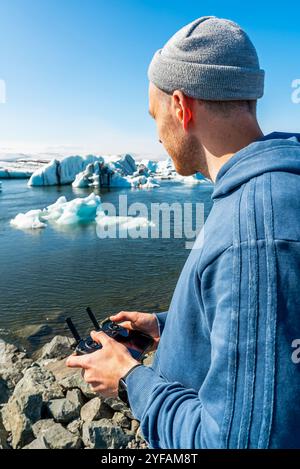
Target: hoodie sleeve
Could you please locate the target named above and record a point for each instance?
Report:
(161, 320)
(170, 414)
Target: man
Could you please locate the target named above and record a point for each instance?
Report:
(223, 376)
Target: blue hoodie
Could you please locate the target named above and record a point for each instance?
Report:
(223, 375)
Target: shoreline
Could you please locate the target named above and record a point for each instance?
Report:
(45, 405)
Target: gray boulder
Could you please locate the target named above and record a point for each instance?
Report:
(134, 426)
(75, 381)
(148, 359)
(38, 443)
(75, 426)
(40, 427)
(59, 347)
(38, 380)
(119, 406)
(96, 409)
(58, 437)
(12, 363)
(103, 434)
(75, 396)
(24, 407)
(21, 411)
(63, 410)
(70, 378)
(121, 420)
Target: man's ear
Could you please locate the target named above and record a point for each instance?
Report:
(182, 106)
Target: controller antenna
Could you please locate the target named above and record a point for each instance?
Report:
(73, 330)
(93, 319)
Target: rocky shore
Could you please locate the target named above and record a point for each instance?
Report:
(45, 405)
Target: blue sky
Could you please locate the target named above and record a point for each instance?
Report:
(76, 71)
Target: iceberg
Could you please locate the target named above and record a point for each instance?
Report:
(126, 165)
(80, 210)
(62, 212)
(109, 175)
(116, 171)
(28, 221)
(64, 171)
(59, 172)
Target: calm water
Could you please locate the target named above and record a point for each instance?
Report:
(46, 273)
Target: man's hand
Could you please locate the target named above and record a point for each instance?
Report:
(104, 368)
(135, 320)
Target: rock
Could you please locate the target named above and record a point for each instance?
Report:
(75, 381)
(134, 426)
(12, 364)
(121, 420)
(3, 435)
(4, 391)
(40, 427)
(59, 347)
(59, 369)
(63, 410)
(70, 378)
(58, 437)
(38, 443)
(75, 426)
(148, 359)
(103, 434)
(134, 444)
(119, 406)
(139, 436)
(75, 395)
(25, 405)
(19, 414)
(95, 409)
(38, 380)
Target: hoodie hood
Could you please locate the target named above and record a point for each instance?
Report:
(274, 152)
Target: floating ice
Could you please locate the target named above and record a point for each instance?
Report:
(79, 210)
(119, 171)
(65, 171)
(91, 177)
(60, 171)
(28, 221)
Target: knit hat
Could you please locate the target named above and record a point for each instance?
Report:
(210, 59)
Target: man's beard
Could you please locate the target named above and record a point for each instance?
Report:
(188, 155)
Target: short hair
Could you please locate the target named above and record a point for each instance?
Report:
(227, 108)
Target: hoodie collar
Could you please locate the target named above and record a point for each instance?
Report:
(274, 152)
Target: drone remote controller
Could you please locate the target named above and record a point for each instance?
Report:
(137, 343)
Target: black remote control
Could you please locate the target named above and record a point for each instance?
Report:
(138, 343)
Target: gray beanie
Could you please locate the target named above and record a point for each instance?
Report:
(210, 59)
